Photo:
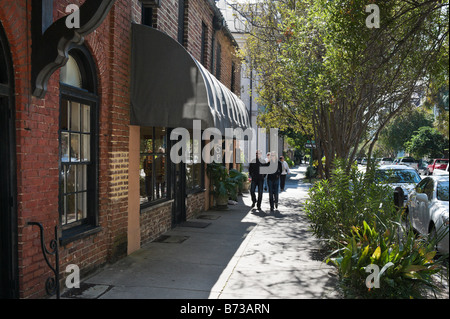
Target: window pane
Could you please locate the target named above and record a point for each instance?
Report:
(189, 176)
(70, 178)
(74, 147)
(70, 73)
(64, 217)
(86, 118)
(65, 147)
(81, 178)
(160, 170)
(71, 217)
(197, 175)
(63, 184)
(146, 140)
(75, 116)
(160, 140)
(81, 206)
(153, 164)
(65, 115)
(146, 169)
(86, 148)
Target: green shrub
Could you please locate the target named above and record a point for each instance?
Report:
(310, 172)
(405, 263)
(357, 218)
(349, 198)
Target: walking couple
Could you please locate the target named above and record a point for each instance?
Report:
(273, 180)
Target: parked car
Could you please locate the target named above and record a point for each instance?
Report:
(401, 178)
(428, 209)
(409, 161)
(386, 161)
(438, 163)
(439, 172)
(422, 167)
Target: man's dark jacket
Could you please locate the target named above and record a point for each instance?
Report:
(253, 170)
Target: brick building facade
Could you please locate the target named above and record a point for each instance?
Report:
(85, 187)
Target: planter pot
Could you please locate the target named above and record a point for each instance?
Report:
(246, 187)
(221, 201)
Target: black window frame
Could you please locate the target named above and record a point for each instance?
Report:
(204, 44)
(147, 15)
(168, 170)
(201, 187)
(86, 95)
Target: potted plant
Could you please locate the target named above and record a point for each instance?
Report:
(239, 178)
(246, 184)
(224, 186)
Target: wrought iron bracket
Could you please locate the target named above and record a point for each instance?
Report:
(52, 285)
(51, 47)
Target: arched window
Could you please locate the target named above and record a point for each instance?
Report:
(78, 144)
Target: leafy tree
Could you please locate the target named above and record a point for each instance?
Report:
(427, 141)
(438, 97)
(322, 71)
(402, 128)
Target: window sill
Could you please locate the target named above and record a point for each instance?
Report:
(195, 191)
(76, 233)
(152, 206)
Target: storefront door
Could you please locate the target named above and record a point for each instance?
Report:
(179, 193)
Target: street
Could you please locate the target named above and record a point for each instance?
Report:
(237, 253)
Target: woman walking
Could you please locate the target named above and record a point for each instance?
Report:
(273, 181)
(284, 171)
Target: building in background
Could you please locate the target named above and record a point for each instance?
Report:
(249, 79)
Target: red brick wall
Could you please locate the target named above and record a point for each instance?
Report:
(155, 221)
(195, 204)
(198, 11)
(37, 125)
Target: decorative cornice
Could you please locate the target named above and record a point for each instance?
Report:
(50, 50)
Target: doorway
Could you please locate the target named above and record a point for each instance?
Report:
(8, 218)
(179, 193)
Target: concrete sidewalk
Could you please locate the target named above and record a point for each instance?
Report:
(237, 253)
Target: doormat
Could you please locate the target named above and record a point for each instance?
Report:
(210, 217)
(87, 291)
(170, 239)
(195, 224)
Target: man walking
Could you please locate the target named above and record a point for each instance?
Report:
(285, 170)
(273, 181)
(257, 179)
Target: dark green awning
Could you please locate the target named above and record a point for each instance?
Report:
(170, 88)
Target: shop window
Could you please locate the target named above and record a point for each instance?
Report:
(194, 167)
(154, 165)
(78, 143)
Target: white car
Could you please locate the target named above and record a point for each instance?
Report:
(386, 161)
(440, 172)
(428, 209)
(401, 178)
